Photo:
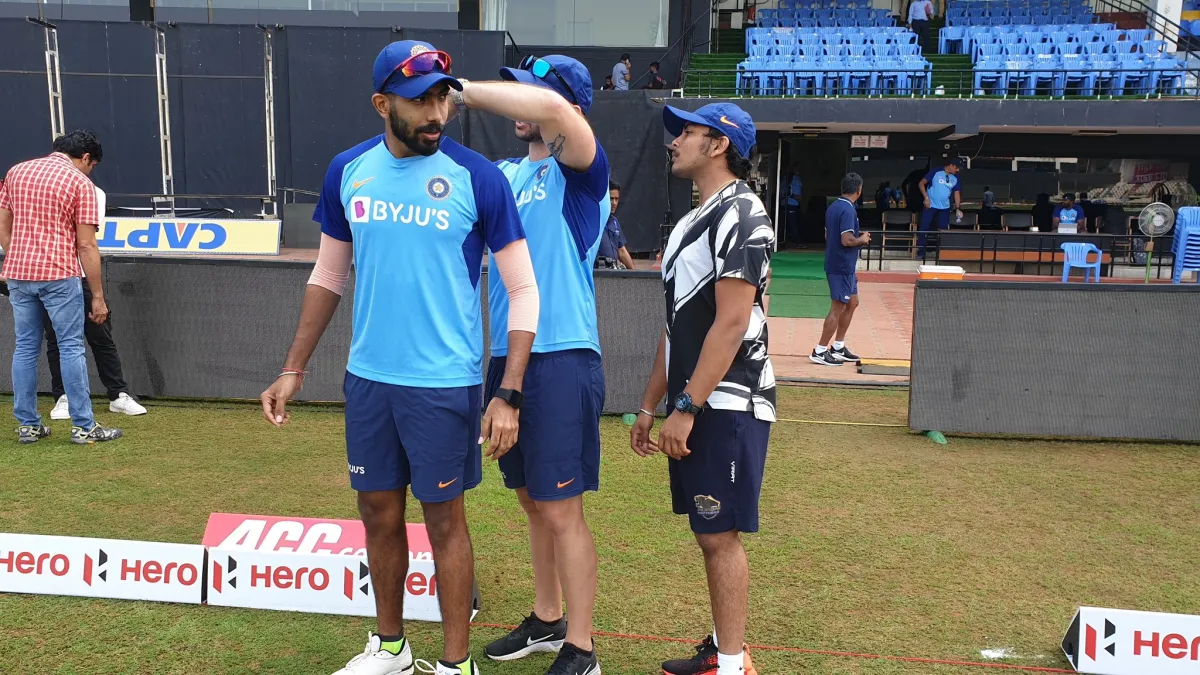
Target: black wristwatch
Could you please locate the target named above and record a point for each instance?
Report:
(683, 403)
(510, 396)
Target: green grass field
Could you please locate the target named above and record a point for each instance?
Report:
(873, 540)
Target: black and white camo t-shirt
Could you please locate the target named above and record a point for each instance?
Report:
(730, 236)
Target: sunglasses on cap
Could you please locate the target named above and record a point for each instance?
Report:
(424, 63)
(541, 68)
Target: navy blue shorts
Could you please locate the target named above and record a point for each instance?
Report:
(398, 436)
(842, 286)
(717, 486)
(557, 454)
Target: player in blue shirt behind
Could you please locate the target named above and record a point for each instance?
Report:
(843, 237)
(1068, 216)
(562, 195)
(937, 187)
(415, 211)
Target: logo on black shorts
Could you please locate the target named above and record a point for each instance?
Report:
(438, 188)
(707, 507)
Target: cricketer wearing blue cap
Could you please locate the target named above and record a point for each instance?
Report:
(937, 188)
(561, 189)
(712, 365)
(415, 211)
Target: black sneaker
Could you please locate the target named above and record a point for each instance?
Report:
(32, 434)
(533, 635)
(572, 661)
(97, 434)
(844, 354)
(704, 662)
(825, 358)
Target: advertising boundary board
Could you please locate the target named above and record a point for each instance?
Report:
(1129, 642)
(102, 568)
(256, 574)
(139, 236)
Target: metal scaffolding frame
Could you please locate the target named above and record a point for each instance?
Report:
(269, 110)
(164, 120)
(53, 78)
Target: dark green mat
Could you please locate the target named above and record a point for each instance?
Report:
(798, 265)
(787, 286)
(799, 306)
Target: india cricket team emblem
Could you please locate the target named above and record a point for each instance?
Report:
(438, 188)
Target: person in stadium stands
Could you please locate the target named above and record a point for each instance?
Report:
(919, 14)
(48, 221)
(1092, 212)
(795, 190)
(718, 377)
(937, 187)
(612, 241)
(563, 198)
(911, 187)
(415, 210)
(989, 197)
(656, 80)
(1043, 213)
(1068, 216)
(620, 73)
(843, 237)
(104, 351)
(608, 84)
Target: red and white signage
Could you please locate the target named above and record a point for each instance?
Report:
(312, 582)
(241, 532)
(1127, 642)
(101, 568)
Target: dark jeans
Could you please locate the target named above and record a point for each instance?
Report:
(104, 351)
(919, 27)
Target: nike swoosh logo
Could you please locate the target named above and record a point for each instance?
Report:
(531, 641)
(447, 483)
(563, 485)
(725, 120)
(359, 183)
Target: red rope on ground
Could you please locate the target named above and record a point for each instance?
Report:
(819, 652)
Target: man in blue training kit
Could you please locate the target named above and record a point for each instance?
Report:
(843, 237)
(415, 212)
(562, 195)
(937, 187)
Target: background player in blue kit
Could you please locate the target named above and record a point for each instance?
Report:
(937, 188)
(843, 237)
(562, 194)
(416, 211)
(1068, 216)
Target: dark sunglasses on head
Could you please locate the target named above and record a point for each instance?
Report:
(424, 63)
(541, 68)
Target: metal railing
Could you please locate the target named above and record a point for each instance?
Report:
(1182, 81)
(1037, 253)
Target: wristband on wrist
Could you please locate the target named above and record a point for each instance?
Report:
(645, 412)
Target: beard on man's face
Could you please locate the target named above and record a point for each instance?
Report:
(413, 138)
(528, 132)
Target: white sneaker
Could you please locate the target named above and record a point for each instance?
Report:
(376, 661)
(60, 411)
(123, 404)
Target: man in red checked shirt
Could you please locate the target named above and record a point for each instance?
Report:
(48, 221)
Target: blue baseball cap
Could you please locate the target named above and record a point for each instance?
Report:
(726, 118)
(388, 79)
(575, 84)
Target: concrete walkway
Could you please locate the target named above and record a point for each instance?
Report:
(882, 328)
